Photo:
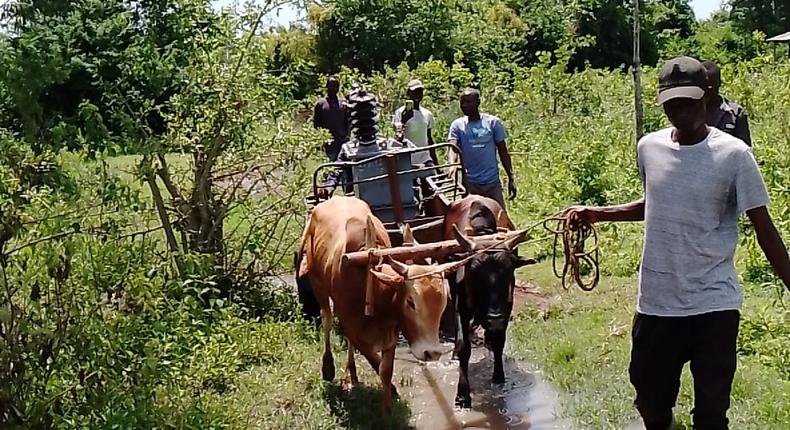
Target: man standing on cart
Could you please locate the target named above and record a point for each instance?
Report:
(415, 123)
(330, 113)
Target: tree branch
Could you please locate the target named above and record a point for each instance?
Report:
(164, 173)
(41, 240)
(166, 224)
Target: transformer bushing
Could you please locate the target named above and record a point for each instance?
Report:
(364, 124)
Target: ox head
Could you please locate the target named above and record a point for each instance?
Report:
(422, 293)
(488, 277)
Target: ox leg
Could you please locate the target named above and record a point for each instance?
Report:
(498, 345)
(351, 378)
(328, 367)
(463, 397)
(375, 362)
(459, 332)
(373, 358)
(385, 373)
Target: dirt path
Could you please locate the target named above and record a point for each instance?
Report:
(523, 402)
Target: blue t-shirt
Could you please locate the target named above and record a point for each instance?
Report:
(478, 140)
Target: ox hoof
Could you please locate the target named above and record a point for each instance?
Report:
(328, 370)
(463, 402)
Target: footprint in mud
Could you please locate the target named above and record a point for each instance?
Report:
(522, 402)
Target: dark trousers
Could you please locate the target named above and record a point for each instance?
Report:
(332, 149)
(662, 345)
(492, 191)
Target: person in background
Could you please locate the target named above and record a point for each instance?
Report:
(416, 123)
(726, 115)
(330, 113)
(481, 137)
(697, 181)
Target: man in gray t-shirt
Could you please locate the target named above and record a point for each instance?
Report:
(697, 181)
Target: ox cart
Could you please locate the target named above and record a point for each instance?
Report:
(362, 255)
(410, 200)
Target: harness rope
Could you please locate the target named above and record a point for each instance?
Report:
(577, 259)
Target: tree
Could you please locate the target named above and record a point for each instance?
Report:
(370, 34)
(291, 53)
(673, 26)
(609, 22)
(98, 74)
(772, 17)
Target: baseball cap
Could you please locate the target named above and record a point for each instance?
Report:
(682, 78)
(414, 84)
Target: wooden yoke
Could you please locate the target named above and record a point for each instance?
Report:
(370, 246)
(435, 250)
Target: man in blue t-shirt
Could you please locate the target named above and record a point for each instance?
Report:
(481, 136)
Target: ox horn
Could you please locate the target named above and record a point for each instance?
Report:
(370, 233)
(463, 240)
(399, 268)
(513, 242)
(408, 239)
(408, 236)
(502, 220)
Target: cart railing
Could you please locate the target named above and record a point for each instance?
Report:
(442, 188)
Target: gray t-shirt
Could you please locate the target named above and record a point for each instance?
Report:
(693, 197)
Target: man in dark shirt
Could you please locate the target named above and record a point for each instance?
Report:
(330, 113)
(726, 115)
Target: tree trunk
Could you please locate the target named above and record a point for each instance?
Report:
(204, 222)
(638, 109)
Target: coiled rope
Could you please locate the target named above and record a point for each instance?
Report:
(580, 266)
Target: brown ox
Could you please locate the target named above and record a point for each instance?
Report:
(414, 306)
(483, 291)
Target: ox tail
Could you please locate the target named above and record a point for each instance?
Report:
(311, 309)
(306, 249)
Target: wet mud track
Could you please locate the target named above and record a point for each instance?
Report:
(523, 402)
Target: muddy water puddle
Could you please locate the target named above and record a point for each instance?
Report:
(523, 402)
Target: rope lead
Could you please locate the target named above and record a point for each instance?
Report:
(577, 260)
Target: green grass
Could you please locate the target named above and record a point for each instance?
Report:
(582, 344)
(290, 394)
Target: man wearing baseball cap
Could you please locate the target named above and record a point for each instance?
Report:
(415, 123)
(697, 181)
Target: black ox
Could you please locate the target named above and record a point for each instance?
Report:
(482, 292)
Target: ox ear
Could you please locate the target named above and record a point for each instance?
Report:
(521, 262)
(391, 280)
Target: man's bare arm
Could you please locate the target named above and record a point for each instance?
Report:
(633, 211)
(771, 243)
